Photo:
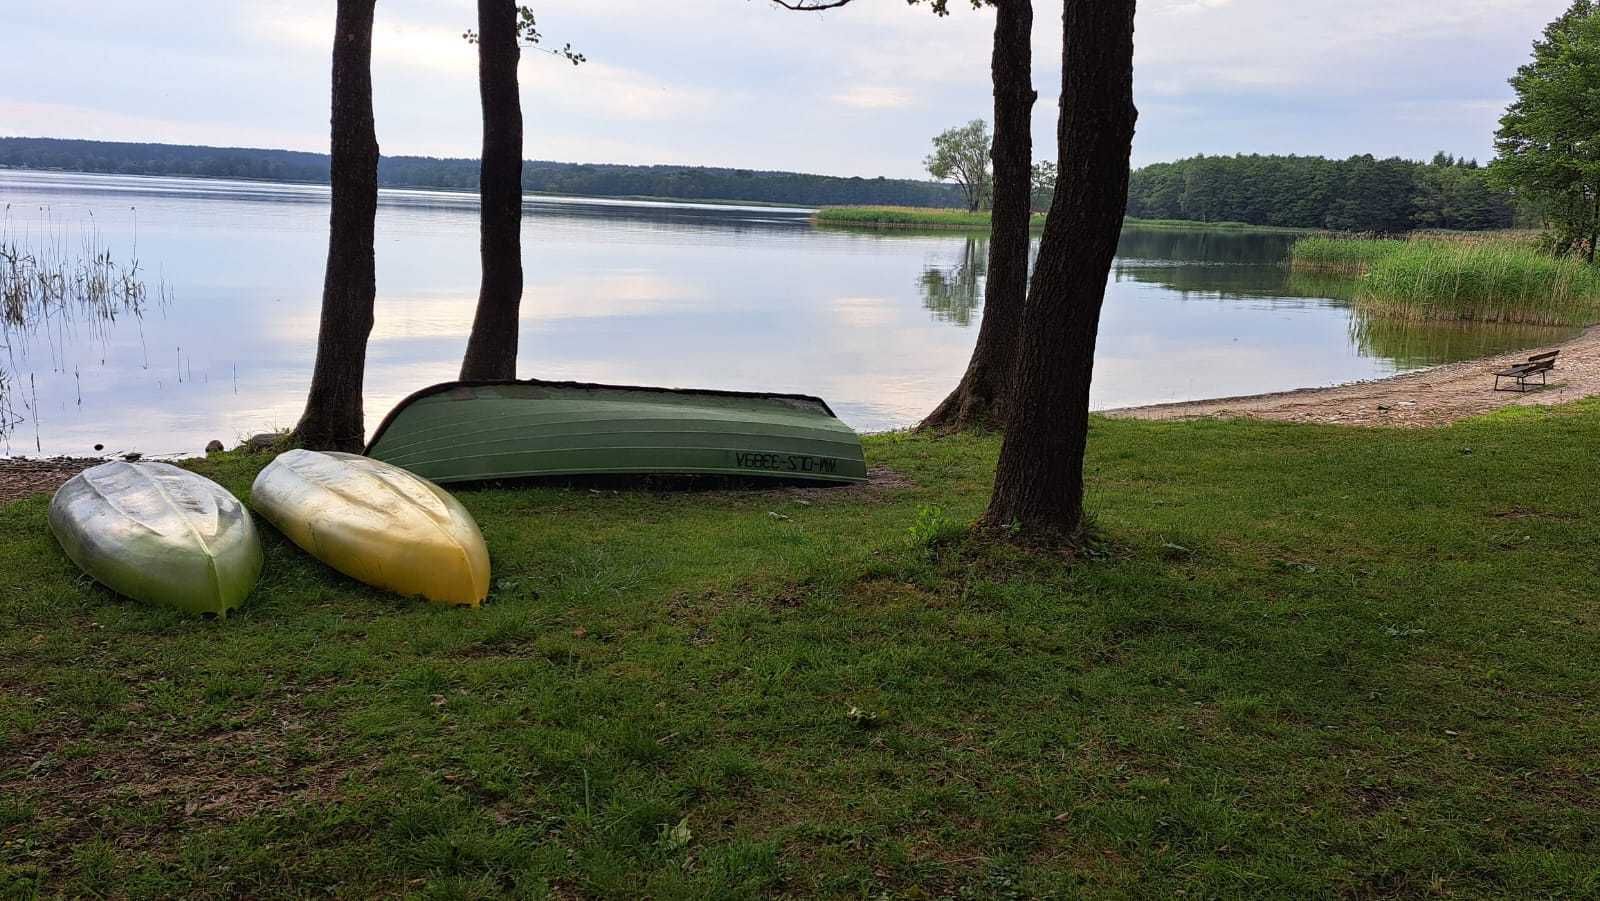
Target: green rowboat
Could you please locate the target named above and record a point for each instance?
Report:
(473, 431)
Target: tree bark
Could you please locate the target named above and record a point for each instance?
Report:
(492, 348)
(1039, 480)
(978, 401)
(332, 418)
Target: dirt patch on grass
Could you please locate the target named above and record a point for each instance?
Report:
(136, 791)
(22, 478)
(881, 481)
(1430, 397)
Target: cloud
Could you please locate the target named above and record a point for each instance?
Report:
(871, 97)
(857, 91)
(600, 90)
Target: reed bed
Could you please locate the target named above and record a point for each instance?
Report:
(906, 217)
(1480, 282)
(51, 284)
(1505, 277)
(1349, 256)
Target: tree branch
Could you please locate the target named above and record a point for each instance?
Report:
(810, 6)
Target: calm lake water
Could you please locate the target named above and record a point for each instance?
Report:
(690, 295)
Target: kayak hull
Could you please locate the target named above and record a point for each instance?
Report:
(473, 431)
(159, 534)
(377, 524)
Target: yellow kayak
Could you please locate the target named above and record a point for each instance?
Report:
(376, 523)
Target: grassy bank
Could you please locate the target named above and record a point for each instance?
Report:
(1496, 278)
(1305, 661)
(906, 217)
(933, 219)
(1341, 255)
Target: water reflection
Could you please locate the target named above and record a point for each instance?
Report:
(55, 281)
(953, 293)
(1198, 247)
(1412, 345)
(687, 295)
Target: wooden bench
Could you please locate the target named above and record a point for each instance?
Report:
(1520, 373)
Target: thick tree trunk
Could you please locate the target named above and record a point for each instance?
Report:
(492, 349)
(979, 400)
(1039, 481)
(332, 419)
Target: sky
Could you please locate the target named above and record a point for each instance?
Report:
(853, 91)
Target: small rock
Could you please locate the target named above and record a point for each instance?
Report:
(213, 446)
(133, 457)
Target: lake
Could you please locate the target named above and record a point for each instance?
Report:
(688, 295)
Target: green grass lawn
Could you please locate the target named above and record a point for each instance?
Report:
(1303, 661)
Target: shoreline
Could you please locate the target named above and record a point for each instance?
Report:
(1421, 398)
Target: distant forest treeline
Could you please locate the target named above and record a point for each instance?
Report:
(1362, 193)
(584, 179)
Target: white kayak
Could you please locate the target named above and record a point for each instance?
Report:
(376, 523)
(159, 534)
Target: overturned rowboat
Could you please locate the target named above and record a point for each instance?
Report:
(474, 431)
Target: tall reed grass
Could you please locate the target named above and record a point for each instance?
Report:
(1493, 277)
(1350, 256)
(1481, 282)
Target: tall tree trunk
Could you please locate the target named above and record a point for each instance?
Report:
(332, 419)
(979, 400)
(492, 349)
(1039, 480)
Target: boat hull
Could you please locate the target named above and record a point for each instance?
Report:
(377, 524)
(159, 534)
(466, 431)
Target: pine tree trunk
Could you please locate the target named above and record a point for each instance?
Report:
(332, 419)
(979, 400)
(492, 348)
(1039, 480)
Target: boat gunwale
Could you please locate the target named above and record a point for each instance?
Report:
(442, 387)
(754, 474)
(404, 450)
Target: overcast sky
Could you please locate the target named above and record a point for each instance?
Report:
(856, 91)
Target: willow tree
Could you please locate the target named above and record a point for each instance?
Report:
(980, 399)
(961, 156)
(1038, 490)
(333, 418)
